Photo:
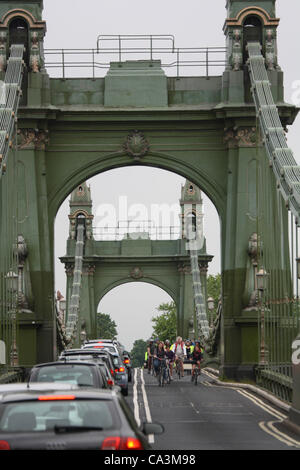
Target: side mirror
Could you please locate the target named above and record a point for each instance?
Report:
(152, 428)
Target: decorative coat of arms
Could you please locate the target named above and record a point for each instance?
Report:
(136, 145)
(137, 273)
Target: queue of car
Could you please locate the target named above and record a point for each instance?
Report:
(76, 402)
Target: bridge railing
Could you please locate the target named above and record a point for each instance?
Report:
(278, 289)
(176, 61)
(138, 230)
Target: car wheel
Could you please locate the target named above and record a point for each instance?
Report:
(129, 377)
(125, 392)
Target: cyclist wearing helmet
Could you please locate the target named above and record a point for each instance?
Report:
(189, 348)
(150, 351)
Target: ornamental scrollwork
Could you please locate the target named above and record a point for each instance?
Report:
(32, 139)
(241, 137)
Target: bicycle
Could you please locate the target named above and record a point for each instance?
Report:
(161, 375)
(168, 374)
(197, 372)
(178, 368)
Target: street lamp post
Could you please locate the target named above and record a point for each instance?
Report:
(211, 307)
(261, 278)
(12, 280)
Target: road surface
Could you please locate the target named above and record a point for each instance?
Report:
(208, 416)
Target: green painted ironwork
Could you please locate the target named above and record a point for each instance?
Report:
(279, 310)
(9, 258)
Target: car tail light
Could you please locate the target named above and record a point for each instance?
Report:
(126, 361)
(110, 382)
(124, 443)
(121, 369)
(4, 445)
(112, 372)
(131, 443)
(56, 397)
(111, 443)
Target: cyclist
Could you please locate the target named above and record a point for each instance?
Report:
(196, 359)
(170, 356)
(159, 356)
(199, 344)
(179, 351)
(150, 351)
(189, 348)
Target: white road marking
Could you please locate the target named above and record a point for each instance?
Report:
(135, 399)
(146, 405)
(193, 406)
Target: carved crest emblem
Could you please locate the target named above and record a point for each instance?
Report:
(136, 145)
(137, 273)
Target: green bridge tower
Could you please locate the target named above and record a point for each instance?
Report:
(203, 128)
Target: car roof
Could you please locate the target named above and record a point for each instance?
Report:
(36, 386)
(96, 341)
(68, 363)
(31, 394)
(77, 352)
(96, 351)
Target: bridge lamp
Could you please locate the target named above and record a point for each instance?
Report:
(210, 303)
(83, 336)
(261, 278)
(12, 281)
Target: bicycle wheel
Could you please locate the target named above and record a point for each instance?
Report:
(196, 377)
(178, 371)
(163, 378)
(168, 376)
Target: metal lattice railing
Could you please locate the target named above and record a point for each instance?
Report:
(9, 188)
(281, 157)
(199, 298)
(278, 303)
(73, 310)
(9, 101)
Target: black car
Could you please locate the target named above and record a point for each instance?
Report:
(79, 419)
(83, 374)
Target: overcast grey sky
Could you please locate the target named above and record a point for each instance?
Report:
(76, 24)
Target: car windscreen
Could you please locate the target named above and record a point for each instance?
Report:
(116, 361)
(37, 416)
(68, 373)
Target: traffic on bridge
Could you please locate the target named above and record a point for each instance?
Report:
(217, 367)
